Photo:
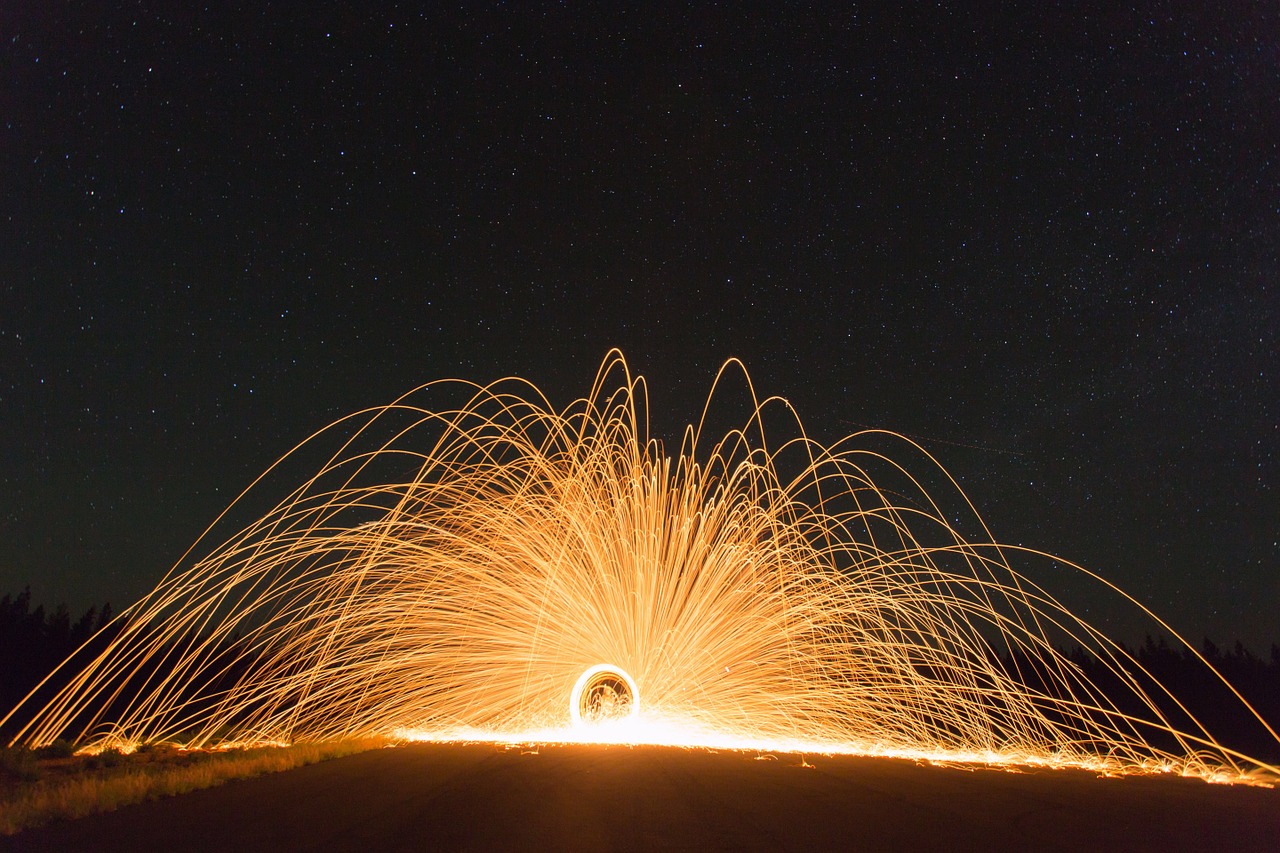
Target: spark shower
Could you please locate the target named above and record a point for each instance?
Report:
(505, 570)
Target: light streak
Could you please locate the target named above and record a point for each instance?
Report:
(461, 574)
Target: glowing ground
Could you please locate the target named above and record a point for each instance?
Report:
(578, 797)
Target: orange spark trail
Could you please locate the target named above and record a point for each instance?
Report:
(507, 571)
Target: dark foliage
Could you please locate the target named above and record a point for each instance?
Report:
(33, 642)
(1183, 690)
(17, 766)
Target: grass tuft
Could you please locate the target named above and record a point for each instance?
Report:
(35, 792)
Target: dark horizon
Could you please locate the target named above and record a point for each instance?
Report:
(1042, 241)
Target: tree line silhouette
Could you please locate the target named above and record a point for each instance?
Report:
(33, 641)
(1183, 690)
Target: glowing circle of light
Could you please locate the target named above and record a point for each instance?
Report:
(602, 694)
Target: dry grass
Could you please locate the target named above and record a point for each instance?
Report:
(85, 786)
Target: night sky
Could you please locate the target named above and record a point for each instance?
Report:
(1041, 240)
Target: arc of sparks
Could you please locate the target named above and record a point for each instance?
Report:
(454, 573)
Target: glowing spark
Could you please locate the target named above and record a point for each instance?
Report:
(462, 574)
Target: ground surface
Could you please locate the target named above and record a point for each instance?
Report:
(482, 797)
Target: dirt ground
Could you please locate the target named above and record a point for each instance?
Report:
(484, 797)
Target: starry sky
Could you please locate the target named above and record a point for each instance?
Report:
(1040, 238)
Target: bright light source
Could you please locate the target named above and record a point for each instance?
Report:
(603, 694)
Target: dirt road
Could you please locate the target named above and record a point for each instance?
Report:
(481, 797)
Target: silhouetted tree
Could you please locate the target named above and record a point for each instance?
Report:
(33, 642)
